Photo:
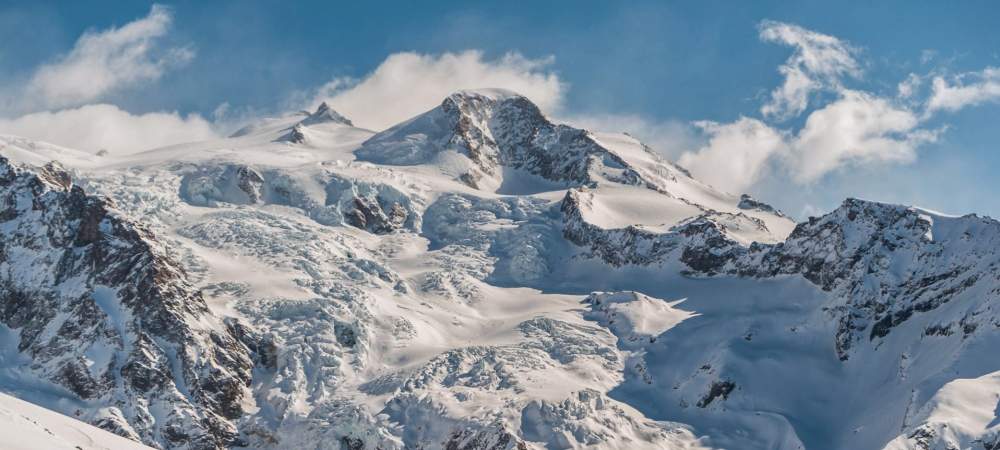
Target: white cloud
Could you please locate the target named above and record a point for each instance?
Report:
(104, 61)
(908, 87)
(818, 62)
(100, 63)
(736, 155)
(407, 84)
(858, 128)
(96, 127)
(968, 89)
(669, 138)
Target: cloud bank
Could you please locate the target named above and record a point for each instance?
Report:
(106, 127)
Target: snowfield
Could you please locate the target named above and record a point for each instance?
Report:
(29, 427)
(477, 278)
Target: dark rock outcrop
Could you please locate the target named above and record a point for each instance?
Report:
(102, 310)
(376, 215)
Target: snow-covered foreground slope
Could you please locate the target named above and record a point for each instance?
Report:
(480, 277)
(24, 426)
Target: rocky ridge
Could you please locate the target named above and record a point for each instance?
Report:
(101, 309)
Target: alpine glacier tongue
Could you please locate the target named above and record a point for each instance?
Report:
(480, 278)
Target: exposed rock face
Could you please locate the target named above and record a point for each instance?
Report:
(368, 214)
(719, 389)
(298, 133)
(701, 242)
(325, 114)
(630, 245)
(103, 311)
(497, 129)
(377, 208)
(748, 202)
(236, 183)
(884, 263)
(295, 135)
(488, 439)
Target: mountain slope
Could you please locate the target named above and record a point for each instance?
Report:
(24, 426)
(99, 308)
(480, 277)
(876, 310)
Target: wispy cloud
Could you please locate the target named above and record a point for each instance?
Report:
(105, 61)
(819, 61)
(967, 89)
(56, 103)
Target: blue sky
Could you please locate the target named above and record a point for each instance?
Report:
(657, 69)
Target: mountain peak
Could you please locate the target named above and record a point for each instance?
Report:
(324, 113)
(479, 107)
(748, 202)
(497, 129)
(496, 94)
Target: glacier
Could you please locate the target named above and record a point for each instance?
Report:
(479, 277)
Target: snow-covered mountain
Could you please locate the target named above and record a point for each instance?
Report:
(480, 277)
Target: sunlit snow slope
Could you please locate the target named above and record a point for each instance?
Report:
(479, 277)
(24, 426)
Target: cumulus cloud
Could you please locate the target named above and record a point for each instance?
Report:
(407, 84)
(106, 127)
(104, 61)
(819, 61)
(964, 90)
(736, 155)
(858, 128)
